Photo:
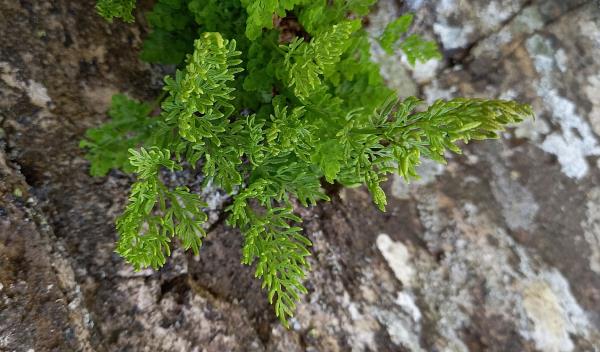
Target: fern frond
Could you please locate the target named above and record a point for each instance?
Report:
(418, 49)
(173, 33)
(260, 14)
(199, 104)
(359, 7)
(395, 142)
(156, 214)
(289, 131)
(394, 30)
(414, 46)
(281, 251)
(279, 247)
(122, 9)
(306, 62)
(107, 146)
(202, 88)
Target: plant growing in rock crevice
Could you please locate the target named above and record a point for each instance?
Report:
(271, 98)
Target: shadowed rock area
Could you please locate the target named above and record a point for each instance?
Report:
(497, 251)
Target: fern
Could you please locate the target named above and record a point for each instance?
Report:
(280, 248)
(414, 47)
(269, 120)
(394, 30)
(396, 141)
(156, 214)
(261, 12)
(110, 9)
(418, 49)
(307, 62)
(130, 126)
(173, 32)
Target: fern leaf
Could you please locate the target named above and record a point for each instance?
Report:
(110, 9)
(129, 127)
(156, 214)
(306, 62)
(260, 14)
(417, 49)
(278, 247)
(393, 31)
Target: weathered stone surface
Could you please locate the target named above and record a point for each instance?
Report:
(40, 303)
(499, 250)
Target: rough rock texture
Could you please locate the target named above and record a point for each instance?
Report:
(498, 251)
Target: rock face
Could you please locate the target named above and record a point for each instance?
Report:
(499, 250)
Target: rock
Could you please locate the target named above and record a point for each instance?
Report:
(40, 302)
(498, 251)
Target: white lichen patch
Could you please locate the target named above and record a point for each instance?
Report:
(415, 4)
(363, 327)
(477, 20)
(402, 330)
(378, 306)
(591, 29)
(127, 271)
(453, 37)
(434, 92)
(215, 200)
(6, 340)
(575, 142)
(403, 324)
(37, 93)
(407, 302)
(545, 313)
(423, 72)
(532, 129)
(561, 60)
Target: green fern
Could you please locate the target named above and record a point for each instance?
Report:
(279, 247)
(130, 127)
(268, 120)
(307, 62)
(418, 49)
(156, 214)
(414, 47)
(261, 12)
(110, 9)
(394, 30)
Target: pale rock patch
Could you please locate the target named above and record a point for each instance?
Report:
(37, 93)
(591, 228)
(398, 258)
